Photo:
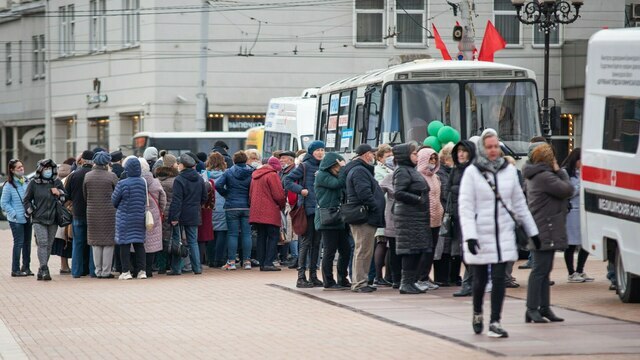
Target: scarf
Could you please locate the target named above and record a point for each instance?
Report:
(482, 160)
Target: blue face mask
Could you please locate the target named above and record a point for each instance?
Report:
(47, 174)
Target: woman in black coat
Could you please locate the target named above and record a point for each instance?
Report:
(411, 214)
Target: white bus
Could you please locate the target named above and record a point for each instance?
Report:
(396, 105)
(610, 198)
(290, 122)
(180, 142)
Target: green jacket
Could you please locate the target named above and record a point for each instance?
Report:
(328, 190)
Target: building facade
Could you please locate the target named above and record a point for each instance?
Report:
(116, 67)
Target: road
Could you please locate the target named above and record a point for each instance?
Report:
(262, 315)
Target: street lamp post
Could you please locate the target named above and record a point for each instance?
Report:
(547, 14)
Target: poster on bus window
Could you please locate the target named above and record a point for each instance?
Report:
(343, 120)
(331, 141)
(344, 101)
(333, 123)
(333, 104)
(345, 140)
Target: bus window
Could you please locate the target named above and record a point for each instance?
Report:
(322, 125)
(621, 124)
(345, 120)
(374, 116)
(295, 146)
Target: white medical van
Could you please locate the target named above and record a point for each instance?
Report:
(610, 201)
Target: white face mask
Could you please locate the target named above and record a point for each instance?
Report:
(255, 164)
(431, 167)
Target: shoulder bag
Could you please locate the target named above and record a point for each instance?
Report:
(445, 228)
(329, 216)
(148, 216)
(522, 239)
(298, 213)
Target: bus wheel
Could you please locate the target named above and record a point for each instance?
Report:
(628, 284)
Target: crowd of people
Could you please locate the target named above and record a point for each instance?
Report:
(392, 215)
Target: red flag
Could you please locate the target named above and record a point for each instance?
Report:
(440, 44)
(491, 43)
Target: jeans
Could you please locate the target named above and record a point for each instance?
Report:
(267, 244)
(21, 244)
(79, 248)
(480, 278)
(310, 246)
(220, 238)
(293, 248)
(194, 251)
(239, 228)
(335, 240)
(538, 290)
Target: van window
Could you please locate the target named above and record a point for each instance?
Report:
(621, 124)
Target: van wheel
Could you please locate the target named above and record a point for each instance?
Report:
(628, 284)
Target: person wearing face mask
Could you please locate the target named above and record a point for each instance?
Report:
(428, 166)
(363, 189)
(287, 161)
(488, 188)
(40, 204)
(11, 202)
(253, 158)
(300, 181)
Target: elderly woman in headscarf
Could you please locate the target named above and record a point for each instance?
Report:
(101, 215)
(40, 204)
(157, 202)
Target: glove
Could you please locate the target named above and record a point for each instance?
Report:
(536, 241)
(472, 245)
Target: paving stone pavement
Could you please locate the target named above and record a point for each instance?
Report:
(227, 314)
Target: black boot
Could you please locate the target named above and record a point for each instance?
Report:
(407, 283)
(302, 280)
(45, 273)
(546, 312)
(313, 279)
(40, 272)
(534, 316)
(27, 271)
(464, 291)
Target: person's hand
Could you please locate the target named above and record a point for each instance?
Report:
(536, 241)
(174, 223)
(472, 245)
(341, 162)
(556, 167)
(304, 192)
(55, 192)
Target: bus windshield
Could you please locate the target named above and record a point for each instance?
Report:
(510, 107)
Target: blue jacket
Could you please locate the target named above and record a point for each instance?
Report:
(219, 215)
(189, 193)
(291, 182)
(11, 202)
(234, 186)
(130, 200)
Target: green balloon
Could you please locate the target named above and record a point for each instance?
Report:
(433, 143)
(434, 127)
(448, 134)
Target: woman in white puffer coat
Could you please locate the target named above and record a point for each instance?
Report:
(487, 228)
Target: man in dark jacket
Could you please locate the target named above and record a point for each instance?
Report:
(189, 194)
(81, 259)
(116, 163)
(300, 181)
(362, 188)
(222, 148)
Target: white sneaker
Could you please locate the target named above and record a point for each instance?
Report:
(576, 278)
(247, 265)
(142, 275)
(125, 276)
(422, 285)
(496, 331)
(586, 277)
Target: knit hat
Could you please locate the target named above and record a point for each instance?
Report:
(102, 158)
(169, 160)
(187, 160)
(221, 144)
(315, 145)
(87, 155)
(98, 149)
(150, 154)
(275, 163)
(116, 156)
(202, 156)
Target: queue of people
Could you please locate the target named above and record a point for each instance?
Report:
(380, 214)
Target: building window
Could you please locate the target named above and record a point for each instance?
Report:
(131, 22)
(507, 23)
(67, 29)
(370, 21)
(538, 36)
(62, 13)
(38, 57)
(9, 56)
(411, 18)
(98, 25)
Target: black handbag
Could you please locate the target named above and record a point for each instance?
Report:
(63, 215)
(445, 228)
(354, 214)
(177, 249)
(329, 216)
(522, 239)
